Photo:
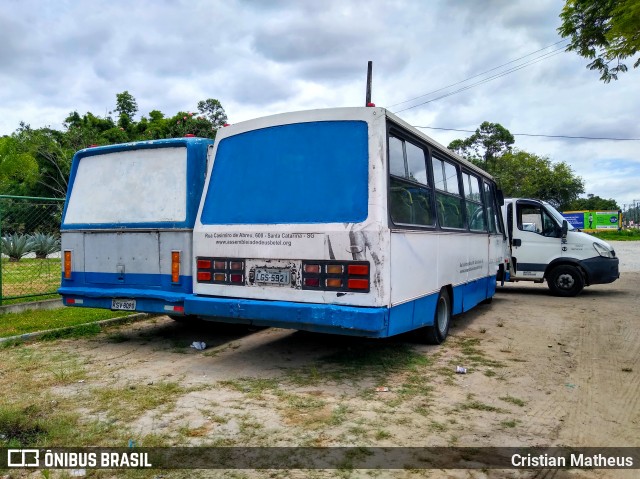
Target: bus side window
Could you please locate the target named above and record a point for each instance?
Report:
(448, 198)
(473, 197)
(409, 191)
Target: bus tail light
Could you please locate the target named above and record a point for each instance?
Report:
(67, 264)
(351, 276)
(175, 266)
(220, 271)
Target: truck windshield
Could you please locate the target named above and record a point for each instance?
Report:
(129, 187)
(314, 172)
(557, 215)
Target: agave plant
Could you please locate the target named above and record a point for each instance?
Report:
(15, 246)
(44, 244)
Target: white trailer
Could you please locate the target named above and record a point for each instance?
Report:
(127, 225)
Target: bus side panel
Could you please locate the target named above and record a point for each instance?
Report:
(458, 260)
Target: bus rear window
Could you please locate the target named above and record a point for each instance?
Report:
(129, 187)
(313, 172)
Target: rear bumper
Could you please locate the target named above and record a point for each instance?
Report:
(325, 318)
(147, 301)
(601, 270)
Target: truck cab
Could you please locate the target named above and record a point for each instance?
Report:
(543, 246)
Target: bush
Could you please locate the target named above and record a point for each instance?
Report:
(44, 244)
(16, 246)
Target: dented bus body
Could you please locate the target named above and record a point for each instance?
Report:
(345, 221)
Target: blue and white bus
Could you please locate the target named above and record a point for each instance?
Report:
(345, 221)
(127, 225)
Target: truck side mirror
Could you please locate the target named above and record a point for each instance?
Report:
(565, 228)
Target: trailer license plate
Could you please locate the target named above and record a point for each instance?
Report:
(272, 276)
(123, 304)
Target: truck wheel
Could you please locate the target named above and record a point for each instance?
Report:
(437, 333)
(565, 280)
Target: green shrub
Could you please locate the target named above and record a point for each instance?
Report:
(16, 246)
(44, 244)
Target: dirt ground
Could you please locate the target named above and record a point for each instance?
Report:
(541, 371)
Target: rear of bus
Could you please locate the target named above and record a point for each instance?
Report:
(292, 229)
(128, 223)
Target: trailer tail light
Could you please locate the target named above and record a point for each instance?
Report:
(67, 264)
(349, 276)
(174, 309)
(74, 301)
(220, 271)
(175, 266)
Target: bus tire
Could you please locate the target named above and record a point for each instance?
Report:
(437, 333)
(489, 300)
(565, 280)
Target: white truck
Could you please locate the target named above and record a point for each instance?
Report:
(543, 246)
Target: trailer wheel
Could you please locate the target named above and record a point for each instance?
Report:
(437, 333)
(188, 319)
(565, 280)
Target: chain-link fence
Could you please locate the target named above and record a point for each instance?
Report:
(30, 237)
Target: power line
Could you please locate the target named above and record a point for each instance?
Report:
(479, 74)
(506, 72)
(540, 135)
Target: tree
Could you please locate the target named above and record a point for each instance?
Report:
(593, 203)
(490, 141)
(18, 168)
(37, 162)
(53, 155)
(517, 172)
(605, 31)
(527, 175)
(126, 107)
(212, 110)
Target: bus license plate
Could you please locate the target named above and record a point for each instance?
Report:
(272, 276)
(123, 304)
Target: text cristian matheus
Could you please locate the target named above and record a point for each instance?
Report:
(576, 460)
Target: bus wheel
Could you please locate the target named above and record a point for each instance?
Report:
(437, 333)
(565, 280)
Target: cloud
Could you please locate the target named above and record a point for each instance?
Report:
(263, 57)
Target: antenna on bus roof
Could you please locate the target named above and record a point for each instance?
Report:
(369, 75)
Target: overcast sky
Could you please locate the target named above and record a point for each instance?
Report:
(273, 56)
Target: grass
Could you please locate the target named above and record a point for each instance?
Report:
(473, 355)
(358, 362)
(125, 403)
(622, 235)
(473, 403)
(14, 324)
(513, 400)
(30, 276)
